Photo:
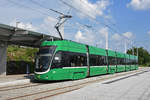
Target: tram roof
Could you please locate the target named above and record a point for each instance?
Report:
(18, 36)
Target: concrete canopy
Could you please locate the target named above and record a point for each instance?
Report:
(18, 36)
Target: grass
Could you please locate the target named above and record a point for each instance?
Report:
(19, 57)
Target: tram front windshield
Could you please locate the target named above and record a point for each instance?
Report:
(43, 58)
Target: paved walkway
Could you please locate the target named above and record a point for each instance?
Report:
(133, 87)
(15, 79)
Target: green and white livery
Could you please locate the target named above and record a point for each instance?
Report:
(68, 60)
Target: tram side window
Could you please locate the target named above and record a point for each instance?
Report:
(59, 60)
(77, 59)
(112, 60)
(118, 61)
(127, 61)
(97, 60)
(124, 61)
(69, 59)
(133, 62)
(130, 61)
(103, 60)
(93, 60)
(136, 61)
(121, 61)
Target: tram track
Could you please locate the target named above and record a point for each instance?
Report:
(61, 90)
(18, 87)
(57, 94)
(13, 86)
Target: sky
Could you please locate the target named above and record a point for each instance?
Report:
(125, 21)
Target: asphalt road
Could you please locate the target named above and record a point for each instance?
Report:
(133, 87)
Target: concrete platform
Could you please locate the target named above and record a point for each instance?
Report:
(130, 87)
(15, 79)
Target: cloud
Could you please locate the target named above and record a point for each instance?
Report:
(139, 4)
(27, 26)
(19, 12)
(48, 25)
(128, 35)
(88, 8)
(103, 31)
(79, 36)
(91, 37)
(148, 32)
(117, 41)
(116, 37)
(85, 36)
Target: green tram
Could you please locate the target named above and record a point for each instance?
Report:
(68, 60)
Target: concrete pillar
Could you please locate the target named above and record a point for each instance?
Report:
(3, 58)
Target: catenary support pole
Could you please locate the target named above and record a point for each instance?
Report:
(106, 40)
(125, 46)
(3, 58)
(132, 49)
(137, 51)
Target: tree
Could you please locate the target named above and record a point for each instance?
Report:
(143, 55)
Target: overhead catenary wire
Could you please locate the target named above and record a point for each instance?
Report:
(60, 18)
(59, 23)
(71, 6)
(37, 3)
(16, 3)
(22, 5)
